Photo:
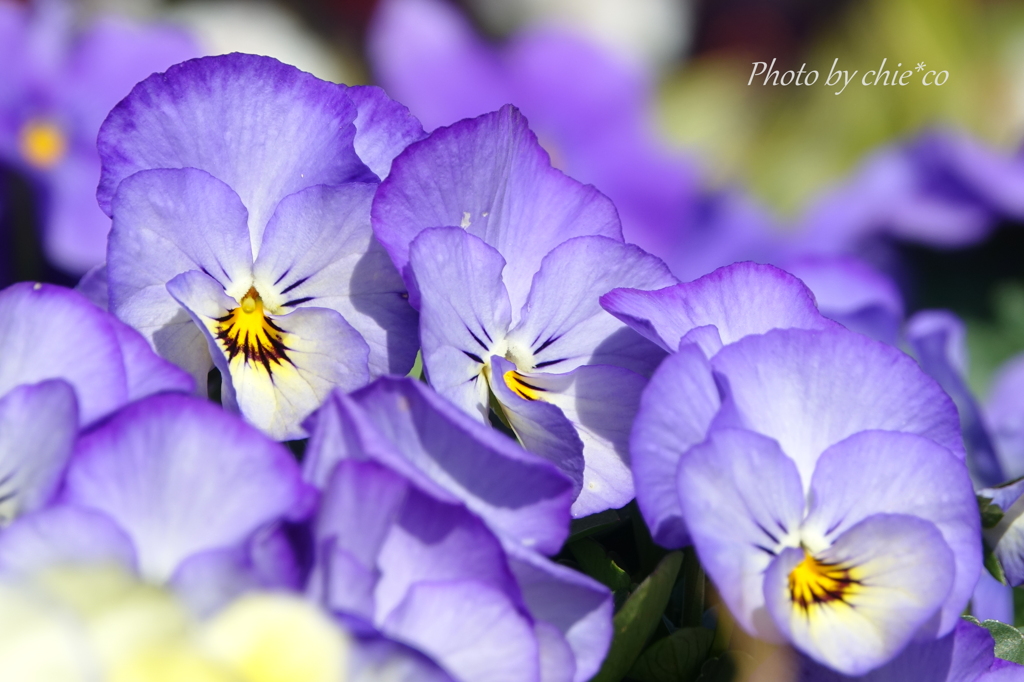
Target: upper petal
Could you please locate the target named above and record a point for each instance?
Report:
(811, 389)
(384, 128)
(318, 250)
(739, 300)
(181, 476)
(464, 312)
(264, 128)
(563, 325)
(490, 175)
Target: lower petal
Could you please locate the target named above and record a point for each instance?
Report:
(601, 402)
(855, 605)
(279, 373)
(541, 427)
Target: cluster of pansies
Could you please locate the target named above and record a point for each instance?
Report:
(342, 390)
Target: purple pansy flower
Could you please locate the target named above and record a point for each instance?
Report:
(721, 308)
(591, 108)
(177, 489)
(505, 257)
(56, 87)
(240, 192)
(796, 459)
(433, 528)
(65, 364)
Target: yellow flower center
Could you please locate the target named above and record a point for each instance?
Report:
(517, 384)
(247, 332)
(814, 583)
(42, 144)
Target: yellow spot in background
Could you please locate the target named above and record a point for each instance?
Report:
(277, 638)
(518, 385)
(814, 583)
(42, 144)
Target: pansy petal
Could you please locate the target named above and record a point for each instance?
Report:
(319, 251)
(94, 286)
(434, 541)
(811, 389)
(60, 535)
(938, 339)
(739, 299)
(384, 128)
(430, 57)
(210, 579)
(579, 608)
(112, 55)
(464, 312)
(541, 427)
(490, 175)
(601, 402)
(991, 599)
(516, 492)
(853, 293)
(563, 325)
(287, 130)
(163, 225)
(346, 571)
(742, 501)
(889, 596)
(280, 378)
(38, 425)
(145, 371)
(169, 221)
(879, 472)
(1005, 417)
(51, 332)
(140, 467)
(676, 409)
(964, 654)
(470, 629)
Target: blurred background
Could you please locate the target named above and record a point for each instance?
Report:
(647, 99)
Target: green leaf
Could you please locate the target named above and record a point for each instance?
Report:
(638, 618)
(676, 658)
(1009, 641)
(596, 563)
(991, 514)
(993, 565)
